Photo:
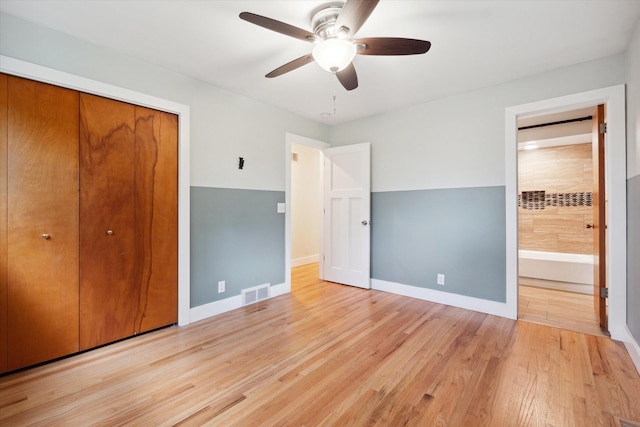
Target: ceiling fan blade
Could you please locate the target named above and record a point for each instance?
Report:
(290, 66)
(348, 77)
(392, 46)
(278, 26)
(354, 14)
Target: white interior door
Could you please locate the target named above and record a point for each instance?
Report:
(347, 207)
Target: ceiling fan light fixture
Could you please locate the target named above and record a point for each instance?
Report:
(334, 54)
(334, 28)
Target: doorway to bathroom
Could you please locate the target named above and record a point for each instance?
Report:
(558, 199)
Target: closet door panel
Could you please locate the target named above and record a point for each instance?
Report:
(108, 295)
(156, 213)
(42, 222)
(3, 221)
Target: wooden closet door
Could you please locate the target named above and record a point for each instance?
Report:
(4, 116)
(42, 250)
(156, 214)
(108, 295)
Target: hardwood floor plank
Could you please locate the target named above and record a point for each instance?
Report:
(558, 308)
(330, 355)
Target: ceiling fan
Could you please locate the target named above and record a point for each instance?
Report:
(334, 26)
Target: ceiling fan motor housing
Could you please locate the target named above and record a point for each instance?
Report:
(324, 20)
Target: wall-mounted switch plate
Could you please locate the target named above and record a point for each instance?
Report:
(441, 279)
(281, 208)
(221, 286)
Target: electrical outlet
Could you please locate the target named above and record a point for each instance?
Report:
(221, 286)
(441, 279)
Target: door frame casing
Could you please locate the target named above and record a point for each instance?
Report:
(44, 74)
(291, 138)
(616, 213)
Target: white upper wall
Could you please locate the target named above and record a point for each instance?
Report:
(448, 143)
(458, 141)
(633, 104)
(224, 126)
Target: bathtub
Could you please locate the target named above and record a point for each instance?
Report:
(573, 268)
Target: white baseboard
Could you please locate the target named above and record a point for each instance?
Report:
(633, 348)
(281, 289)
(218, 307)
(447, 298)
(296, 262)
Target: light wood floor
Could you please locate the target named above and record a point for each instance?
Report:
(329, 354)
(560, 309)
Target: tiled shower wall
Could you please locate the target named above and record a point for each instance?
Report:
(556, 221)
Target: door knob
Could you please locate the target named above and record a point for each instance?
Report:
(109, 232)
(364, 222)
(45, 236)
(591, 226)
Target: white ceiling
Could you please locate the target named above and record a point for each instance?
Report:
(474, 44)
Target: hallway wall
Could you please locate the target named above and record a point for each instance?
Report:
(306, 202)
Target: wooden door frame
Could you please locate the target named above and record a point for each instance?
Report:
(614, 99)
(598, 160)
(48, 75)
(291, 138)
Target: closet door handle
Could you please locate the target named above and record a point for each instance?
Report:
(591, 226)
(109, 232)
(45, 236)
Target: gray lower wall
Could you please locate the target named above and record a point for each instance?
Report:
(457, 232)
(236, 236)
(633, 256)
